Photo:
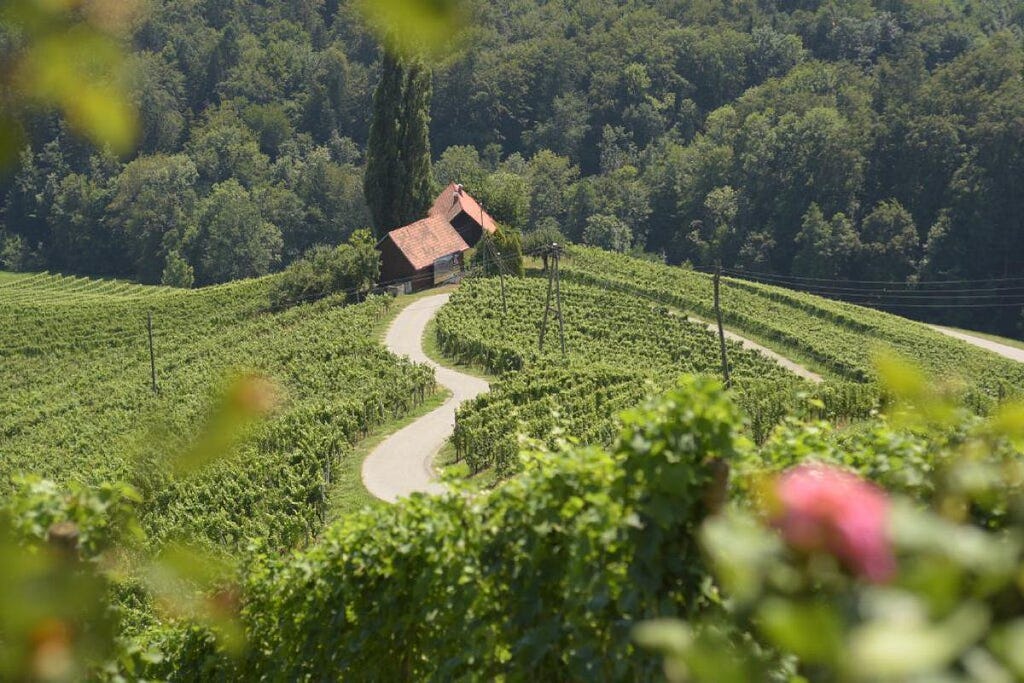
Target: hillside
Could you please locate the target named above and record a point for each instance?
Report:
(841, 338)
(593, 525)
(628, 337)
(862, 140)
(581, 533)
(78, 404)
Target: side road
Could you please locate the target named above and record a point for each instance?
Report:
(403, 463)
(750, 345)
(995, 347)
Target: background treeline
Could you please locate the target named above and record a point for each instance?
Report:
(856, 140)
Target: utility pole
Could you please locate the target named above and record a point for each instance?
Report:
(554, 284)
(152, 355)
(496, 255)
(501, 276)
(721, 331)
(558, 298)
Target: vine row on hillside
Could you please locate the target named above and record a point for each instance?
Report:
(79, 405)
(621, 348)
(839, 336)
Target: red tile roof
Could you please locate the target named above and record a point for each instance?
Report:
(427, 240)
(454, 200)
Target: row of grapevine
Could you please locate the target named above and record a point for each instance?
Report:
(621, 348)
(18, 288)
(840, 337)
(78, 404)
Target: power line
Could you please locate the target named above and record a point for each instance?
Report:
(754, 273)
(912, 289)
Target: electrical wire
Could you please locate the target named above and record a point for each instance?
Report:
(753, 273)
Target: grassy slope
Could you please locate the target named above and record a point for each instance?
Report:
(74, 373)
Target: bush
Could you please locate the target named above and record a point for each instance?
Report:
(350, 268)
(16, 255)
(504, 246)
(544, 236)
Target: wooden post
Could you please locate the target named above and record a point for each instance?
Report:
(501, 276)
(152, 355)
(547, 305)
(558, 298)
(721, 331)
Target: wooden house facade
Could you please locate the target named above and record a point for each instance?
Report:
(432, 250)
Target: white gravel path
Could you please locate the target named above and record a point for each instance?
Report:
(1010, 352)
(403, 463)
(750, 345)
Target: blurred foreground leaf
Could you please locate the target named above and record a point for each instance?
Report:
(416, 26)
(896, 650)
(246, 399)
(69, 58)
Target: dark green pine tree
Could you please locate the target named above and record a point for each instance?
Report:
(419, 187)
(397, 184)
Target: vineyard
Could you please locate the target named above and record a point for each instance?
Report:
(620, 349)
(840, 338)
(79, 405)
(613, 516)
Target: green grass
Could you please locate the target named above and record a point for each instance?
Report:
(349, 494)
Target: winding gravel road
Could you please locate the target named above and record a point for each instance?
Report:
(403, 463)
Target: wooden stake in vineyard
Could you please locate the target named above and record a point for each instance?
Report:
(501, 266)
(152, 355)
(554, 251)
(721, 331)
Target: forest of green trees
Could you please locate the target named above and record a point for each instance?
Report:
(860, 140)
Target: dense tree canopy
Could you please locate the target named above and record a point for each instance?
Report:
(866, 140)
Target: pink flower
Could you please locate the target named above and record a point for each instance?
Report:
(823, 508)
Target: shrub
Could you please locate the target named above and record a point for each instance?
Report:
(350, 268)
(504, 247)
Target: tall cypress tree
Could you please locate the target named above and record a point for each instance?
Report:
(397, 183)
(419, 189)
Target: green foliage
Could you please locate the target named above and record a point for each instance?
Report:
(14, 253)
(889, 239)
(500, 252)
(826, 246)
(537, 241)
(177, 272)
(399, 184)
(349, 269)
(76, 377)
(102, 517)
(640, 113)
(542, 577)
(460, 165)
(950, 601)
(607, 232)
(71, 61)
(621, 348)
(506, 197)
(152, 208)
(839, 337)
(232, 240)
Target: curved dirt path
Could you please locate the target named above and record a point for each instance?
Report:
(788, 364)
(1003, 350)
(402, 464)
